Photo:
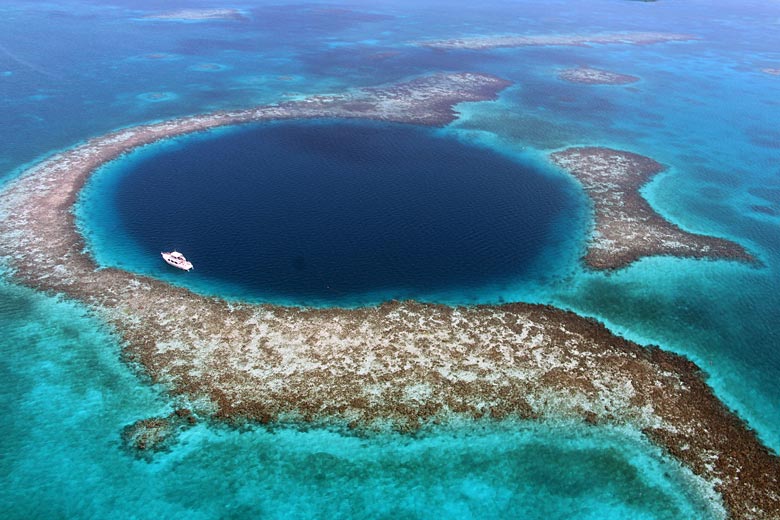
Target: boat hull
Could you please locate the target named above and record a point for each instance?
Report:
(177, 262)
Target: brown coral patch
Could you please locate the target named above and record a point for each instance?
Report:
(145, 437)
(406, 363)
(626, 227)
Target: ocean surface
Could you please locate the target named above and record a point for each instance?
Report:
(333, 213)
(71, 70)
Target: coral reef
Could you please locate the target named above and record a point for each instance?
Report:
(145, 437)
(198, 15)
(578, 40)
(591, 76)
(626, 227)
(401, 363)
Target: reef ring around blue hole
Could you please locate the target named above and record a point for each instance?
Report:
(332, 212)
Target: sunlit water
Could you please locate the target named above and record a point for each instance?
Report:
(73, 70)
(68, 396)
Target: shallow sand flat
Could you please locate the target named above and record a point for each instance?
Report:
(591, 76)
(402, 363)
(198, 15)
(566, 40)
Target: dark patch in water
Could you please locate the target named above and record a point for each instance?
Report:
(764, 137)
(324, 210)
(203, 46)
(768, 194)
(766, 210)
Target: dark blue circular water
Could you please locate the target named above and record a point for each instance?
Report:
(326, 210)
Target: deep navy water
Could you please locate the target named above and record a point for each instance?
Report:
(334, 212)
(73, 69)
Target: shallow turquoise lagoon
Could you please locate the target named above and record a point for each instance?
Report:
(68, 396)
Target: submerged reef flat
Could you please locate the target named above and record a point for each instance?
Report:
(591, 76)
(198, 15)
(569, 40)
(626, 226)
(765, 210)
(402, 364)
(156, 97)
(147, 436)
(208, 67)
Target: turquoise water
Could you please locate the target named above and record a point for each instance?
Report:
(71, 70)
(68, 397)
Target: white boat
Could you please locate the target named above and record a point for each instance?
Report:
(177, 259)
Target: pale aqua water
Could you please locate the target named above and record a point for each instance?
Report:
(67, 396)
(71, 70)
